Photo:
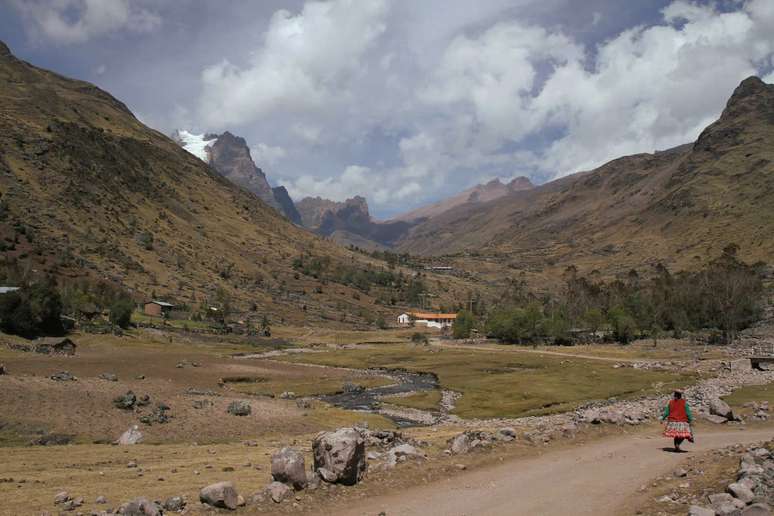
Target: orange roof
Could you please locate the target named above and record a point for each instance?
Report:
(426, 315)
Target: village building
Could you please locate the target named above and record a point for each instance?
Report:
(158, 308)
(6, 290)
(430, 320)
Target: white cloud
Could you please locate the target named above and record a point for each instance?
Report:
(267, 155)
(305, 63)
(77, 21)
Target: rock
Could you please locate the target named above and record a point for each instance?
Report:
(741, 364)
(403, 452)
(761, 453)
(240, 499)
(100, 500)
(312, 481)
(200, 404)
(720, 408)
(174, 504)
(741, 492)
(239, 408)
(719, 498)
(696, 510)
(63, 376)
(460, 444)
(715, 419)
(61, 497)
(110, 377)
(143, 400)
(278, 491)
(71, 505)
(140, 507)
(125, 401)
(131, 436)
(727, 509)
(340, 456)
(288, 395)
(680, 473)
(288, 467)
(506, 434)
(757, 509)
(304, 403)
(222, 495)
(748, 469)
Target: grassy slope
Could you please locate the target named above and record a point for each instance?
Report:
(87, 179)
(499, 385)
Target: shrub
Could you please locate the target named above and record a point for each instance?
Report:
(463, 325)
(121, 312)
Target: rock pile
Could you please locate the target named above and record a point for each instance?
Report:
(752, 493)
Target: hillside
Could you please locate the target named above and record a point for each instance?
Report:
(88, 190)
(483, 193)
(679, 207)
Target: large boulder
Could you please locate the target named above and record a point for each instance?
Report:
(340, 456)
(288, 466)
(239, 408)
(222, 495)
(140, 507)
(720, 408)
(460, 444)
(131, 436)
(741, 492)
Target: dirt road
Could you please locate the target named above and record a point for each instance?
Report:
(596, 478)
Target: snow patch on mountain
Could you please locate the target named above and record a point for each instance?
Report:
(196, 144)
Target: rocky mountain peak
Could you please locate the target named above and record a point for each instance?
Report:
(4, 50)
(520, 183)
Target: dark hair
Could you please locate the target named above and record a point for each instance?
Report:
(678, 395)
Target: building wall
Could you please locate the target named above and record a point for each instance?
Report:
(152, 309)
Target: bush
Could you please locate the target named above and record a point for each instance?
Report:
(121, 312)
(32, 311)
(419, 338)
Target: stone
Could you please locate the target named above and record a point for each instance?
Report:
(63, 376)
(100, 500)
(312, 481)
(340, 456)
(110, 377)
(288, 395)
(61, 497)
(715, 419)
(140, 507)
(761, 453)
(757, 509)
(278, 491)
(460, 444)
(222, 495)
(727, 509)
(304, 403)
(131, 436)
(696, 510)
(720, 408)
(239, 408)
(680, 473)
(403, 452)
(174, 504)
(125, 401)
(288, 467)
(719, 498)
(741, 492)
(240, 499)
(506, 434)
(741, 364)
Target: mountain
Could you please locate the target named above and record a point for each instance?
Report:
(349, 223)
(678, 207)
(89, 192)
(230, 156)
(488, 192)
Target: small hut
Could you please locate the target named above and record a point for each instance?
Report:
(157, 308)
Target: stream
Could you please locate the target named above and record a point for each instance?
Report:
(369, 399)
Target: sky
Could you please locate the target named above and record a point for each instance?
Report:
(409, 101)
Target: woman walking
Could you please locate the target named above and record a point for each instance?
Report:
(678, 416)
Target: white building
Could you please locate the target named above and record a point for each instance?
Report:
(427, 319)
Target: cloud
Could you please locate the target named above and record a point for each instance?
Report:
(77, 21)
(305, 63)
(267, 155)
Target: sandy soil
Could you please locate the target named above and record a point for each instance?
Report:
(597, 478)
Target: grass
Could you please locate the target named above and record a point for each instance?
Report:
(494, 385)
(139, 317)
(757, 393)
(427, 400)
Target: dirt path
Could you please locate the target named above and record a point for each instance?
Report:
(597, 478)
(486, 347)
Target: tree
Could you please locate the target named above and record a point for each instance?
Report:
(381, 323)
(419, 338)
(463, 325)
(265, 328)
(121, 312)
(32, 311)
(624, 326)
